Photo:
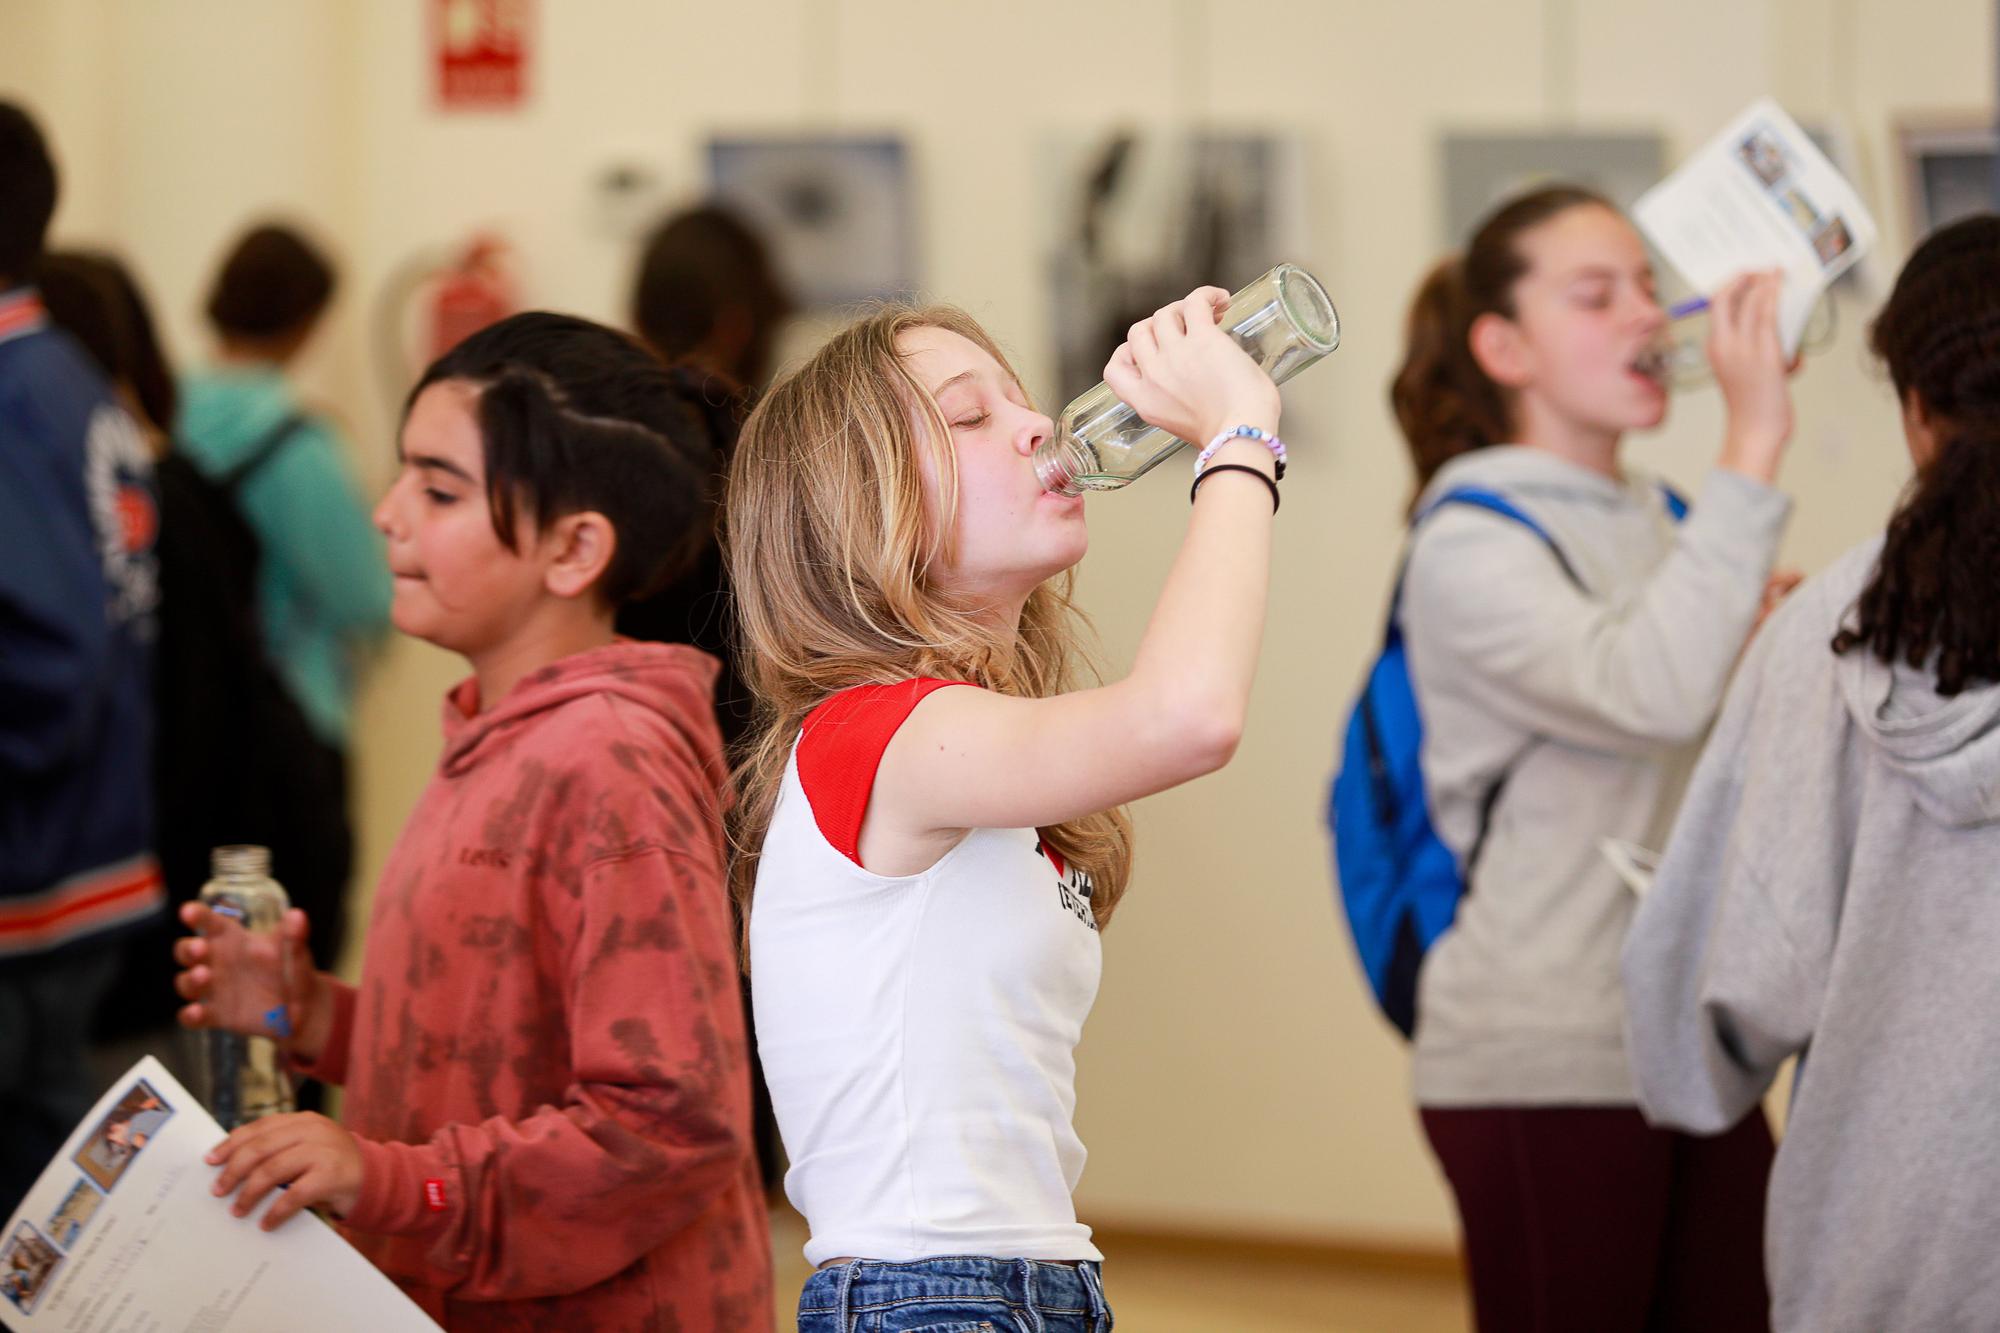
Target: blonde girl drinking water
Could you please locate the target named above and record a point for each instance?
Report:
(926, 868)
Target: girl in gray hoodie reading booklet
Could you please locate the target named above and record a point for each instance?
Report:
(1565, 674)
(1830, 886)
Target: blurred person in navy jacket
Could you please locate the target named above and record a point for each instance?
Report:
(78, 589)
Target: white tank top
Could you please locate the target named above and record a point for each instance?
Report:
(918, 1031)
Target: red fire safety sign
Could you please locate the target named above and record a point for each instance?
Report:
(482, 52)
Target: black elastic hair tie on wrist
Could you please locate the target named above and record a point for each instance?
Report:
(1214, 468)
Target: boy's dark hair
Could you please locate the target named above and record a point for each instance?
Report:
(576, 417)
(273, 283)
(27, 192)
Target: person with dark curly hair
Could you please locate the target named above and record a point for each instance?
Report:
(1830, 883)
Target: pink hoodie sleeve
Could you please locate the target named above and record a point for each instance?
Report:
(331, 1067)
(652, 1129)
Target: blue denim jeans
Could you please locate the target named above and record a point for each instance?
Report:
(957, 1295)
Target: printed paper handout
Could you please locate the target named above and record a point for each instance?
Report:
(121, 1235)
(1760, 195)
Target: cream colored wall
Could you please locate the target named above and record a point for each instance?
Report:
(173, 124)
(1233, 1075)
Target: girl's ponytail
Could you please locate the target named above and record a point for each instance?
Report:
(1443, 401)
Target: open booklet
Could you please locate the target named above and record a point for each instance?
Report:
(1759, 195)
(121, 1235)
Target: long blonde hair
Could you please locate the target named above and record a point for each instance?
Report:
(829, 556)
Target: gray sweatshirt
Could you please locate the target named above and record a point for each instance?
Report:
(1591, 701)
(1832, 884)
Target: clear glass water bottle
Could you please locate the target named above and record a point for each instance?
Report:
(1284, 320)
(1678, 358)
(246, 1076)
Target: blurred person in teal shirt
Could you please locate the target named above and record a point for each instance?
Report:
(323, 581)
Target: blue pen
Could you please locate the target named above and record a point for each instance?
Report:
(1694, 305)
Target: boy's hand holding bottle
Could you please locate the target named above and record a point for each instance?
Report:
(252, 983)
(264, 984)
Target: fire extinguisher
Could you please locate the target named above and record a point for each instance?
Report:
(472, 292)
(432, 301)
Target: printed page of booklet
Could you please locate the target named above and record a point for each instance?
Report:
(1759, 195)
(121, 1235)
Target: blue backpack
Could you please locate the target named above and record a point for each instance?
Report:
(1398, 881)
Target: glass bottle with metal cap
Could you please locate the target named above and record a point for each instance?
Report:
(246, 1076)
(1284, 320)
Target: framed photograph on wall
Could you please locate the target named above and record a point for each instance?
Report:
(1949, 165)
(1140, 218)
(836, 209)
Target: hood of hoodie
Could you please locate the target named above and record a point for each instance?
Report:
(224, 412)
(671, 680)
(1948, 748)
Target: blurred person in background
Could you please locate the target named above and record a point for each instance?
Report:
(227, 732)
(708, 299)
(78, 588)
(708, 294)
(323, 583)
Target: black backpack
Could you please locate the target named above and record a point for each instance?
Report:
(234, 759)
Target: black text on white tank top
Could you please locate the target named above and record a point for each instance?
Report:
(1073, 886)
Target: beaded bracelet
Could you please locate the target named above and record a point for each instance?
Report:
(1263, 437)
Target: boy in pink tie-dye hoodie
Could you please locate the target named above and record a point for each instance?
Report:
(547, 1113)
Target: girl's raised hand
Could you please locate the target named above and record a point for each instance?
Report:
(1182, 373)
(1751, 369)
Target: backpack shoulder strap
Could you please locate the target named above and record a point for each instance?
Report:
(261, 452)
(1495, 503)
(1677, 505)
(1492, 502)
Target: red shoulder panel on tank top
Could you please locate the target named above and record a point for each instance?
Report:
(841, 748)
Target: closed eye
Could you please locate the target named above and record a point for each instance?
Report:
(971, 423)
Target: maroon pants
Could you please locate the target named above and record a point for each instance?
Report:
(1585, 1218)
